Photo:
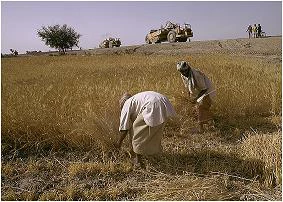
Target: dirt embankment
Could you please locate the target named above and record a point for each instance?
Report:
(270, 46)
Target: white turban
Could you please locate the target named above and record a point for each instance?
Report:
(182, 66)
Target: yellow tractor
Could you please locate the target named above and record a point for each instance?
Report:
(171, 32)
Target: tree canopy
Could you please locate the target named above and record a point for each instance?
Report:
(59, 37)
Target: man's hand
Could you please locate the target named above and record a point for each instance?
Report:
(193, 101)
(122, 137)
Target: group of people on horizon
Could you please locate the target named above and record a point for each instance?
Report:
(254, 31)
(143, 115)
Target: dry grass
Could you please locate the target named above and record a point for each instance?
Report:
(60, 118)
(265, 148)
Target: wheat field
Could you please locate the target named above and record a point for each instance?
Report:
(60, 118)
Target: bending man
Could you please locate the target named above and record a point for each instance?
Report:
(143, 116)
(200, 90)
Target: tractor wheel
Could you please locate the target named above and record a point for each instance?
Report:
(110, 44)
(154, 41)
(171, 37)
(147, 40)
(182, 39)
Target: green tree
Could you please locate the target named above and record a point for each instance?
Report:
(59, 37)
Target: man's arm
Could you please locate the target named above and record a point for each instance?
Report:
(194, 100)
(201, 84)
(201, 93)
(185, 82)
(122, 137)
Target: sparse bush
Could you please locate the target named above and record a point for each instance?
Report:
(59, 37)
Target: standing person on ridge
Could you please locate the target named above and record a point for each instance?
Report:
(250, 30)
(143, 116)
(259, 30)
(200, 90)
(255, 31)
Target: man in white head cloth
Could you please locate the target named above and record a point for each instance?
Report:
(143, 116)
(200, 90)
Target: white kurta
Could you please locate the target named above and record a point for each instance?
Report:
(154, 107)
(199, 83)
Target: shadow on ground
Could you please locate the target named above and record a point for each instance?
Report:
(232, 128)
(207, 162)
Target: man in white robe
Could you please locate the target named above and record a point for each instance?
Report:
(200, 90)
(143, 116)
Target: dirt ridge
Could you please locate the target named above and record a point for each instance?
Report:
(260, 46)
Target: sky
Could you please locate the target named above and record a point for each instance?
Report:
(132, 20)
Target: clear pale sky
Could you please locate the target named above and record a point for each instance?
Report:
(131, 20)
